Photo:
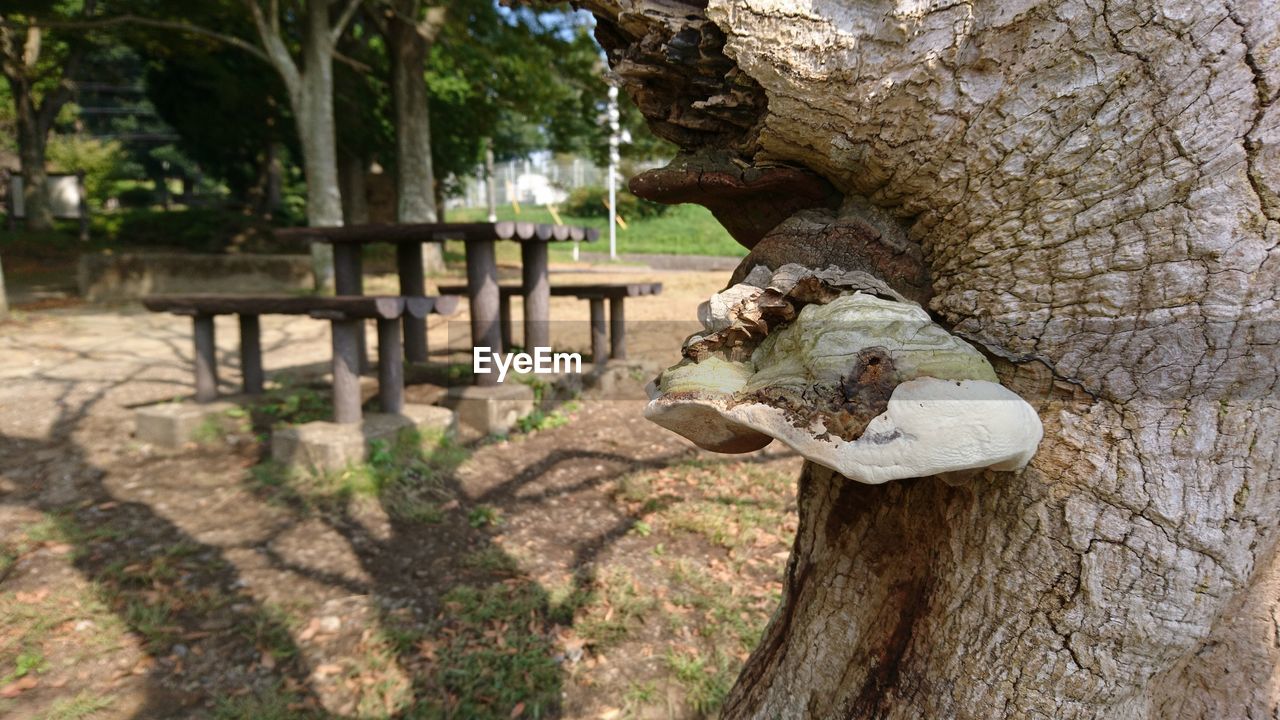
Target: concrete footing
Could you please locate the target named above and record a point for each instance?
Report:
(332, 446)
(172, 425)
(491, 410)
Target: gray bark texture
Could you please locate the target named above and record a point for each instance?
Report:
(1094, 189)
(310, 88)
(415, 180)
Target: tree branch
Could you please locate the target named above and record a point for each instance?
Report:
(156, 23)
(343, 19)
(276, 53)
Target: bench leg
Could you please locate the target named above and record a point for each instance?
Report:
(504, 319)
(536, 288)
(346, 371)
(482, 286)
(206, 359)
(617, 330)
(390, 367)
(599, 355)
(348, 279)
(251, 354)
(412, 282)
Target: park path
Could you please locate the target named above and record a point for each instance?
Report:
(145, 583)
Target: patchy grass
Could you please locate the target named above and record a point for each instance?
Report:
(83, 705)
(292, 405)
(272, 703)
(682, 230)
(216, 429)
(618, 607)
(482, 516)
(706, 681)
(491, 656)
(407, 478)
(541, 419)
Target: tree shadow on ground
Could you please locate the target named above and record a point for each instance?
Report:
(452, 626)
(173, 593)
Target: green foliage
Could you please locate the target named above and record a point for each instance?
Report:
(528, 79)
(594, 202)
(84, 704)
(99, 160)
(272, 703)
(484, 516)
(541, 419)
(295, 406)
(491, 662)
(706, 684)
(682, 230)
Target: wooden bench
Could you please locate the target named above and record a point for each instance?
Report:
(615, 293)
(345, 313)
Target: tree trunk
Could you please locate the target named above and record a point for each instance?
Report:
(1095, 192)
(355, 197)
(313, 109)
(415, 179)
(32, 141)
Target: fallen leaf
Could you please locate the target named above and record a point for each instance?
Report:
(517, 710)
(310, 630)
(17, 687)
(610, 713)
(32, 597)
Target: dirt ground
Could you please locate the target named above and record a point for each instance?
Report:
(592, 565)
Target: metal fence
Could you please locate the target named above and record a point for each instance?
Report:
(538, 180)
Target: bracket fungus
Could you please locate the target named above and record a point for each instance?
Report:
(845, 371)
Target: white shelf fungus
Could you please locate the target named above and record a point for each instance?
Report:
(864, 384)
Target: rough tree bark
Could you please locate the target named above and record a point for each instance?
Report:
(409, 36)
(1093, 188)
(355, 195)
(309, 85)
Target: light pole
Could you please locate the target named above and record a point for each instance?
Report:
(613, 172)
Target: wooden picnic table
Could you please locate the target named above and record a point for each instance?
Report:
(482, 272)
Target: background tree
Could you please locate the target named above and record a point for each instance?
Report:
(40, 69)
(1093, 191)
(525, 79)
(408, 28)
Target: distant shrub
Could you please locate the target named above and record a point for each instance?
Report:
(593, 202)
(205, 230)
(136, 197)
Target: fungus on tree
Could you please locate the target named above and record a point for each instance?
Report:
(847, 372)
